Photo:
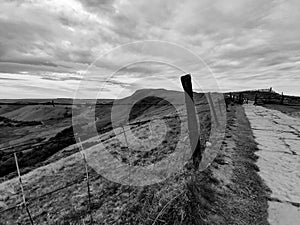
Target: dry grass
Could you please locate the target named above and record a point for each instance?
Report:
(111, 203)
(228, 192)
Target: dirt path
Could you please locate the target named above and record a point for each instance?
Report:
(278, 138)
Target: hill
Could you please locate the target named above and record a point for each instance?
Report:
(53, 171)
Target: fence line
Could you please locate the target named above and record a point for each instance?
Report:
(73, 183)
(134, 123)
(30, 200)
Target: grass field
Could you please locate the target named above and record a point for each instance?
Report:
(228, 192)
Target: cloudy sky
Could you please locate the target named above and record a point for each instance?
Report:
(48, 46)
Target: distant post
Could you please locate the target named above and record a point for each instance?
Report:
(255, 99)
(282, 98)
(194, 136)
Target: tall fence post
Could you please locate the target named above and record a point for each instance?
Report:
(87, 179)
(194, 136)
(22, 189)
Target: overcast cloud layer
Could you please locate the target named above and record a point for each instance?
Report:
(45, 46)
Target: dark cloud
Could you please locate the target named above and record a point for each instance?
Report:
(55, 39)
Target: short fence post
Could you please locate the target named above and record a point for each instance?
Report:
(87, 178)
(22, 189)
(186, 82)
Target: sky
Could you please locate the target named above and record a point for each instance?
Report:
(47, 47)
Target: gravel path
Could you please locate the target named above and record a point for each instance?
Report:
(278, 138)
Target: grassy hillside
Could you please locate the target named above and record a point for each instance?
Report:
(228, 192)
(36, 132)
(58, 168)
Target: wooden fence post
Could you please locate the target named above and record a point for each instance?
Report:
(22, 189)
(186, 82)
(87, 179)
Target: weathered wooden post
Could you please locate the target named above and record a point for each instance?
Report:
(194, 136)
(282, 98)
(22, 190)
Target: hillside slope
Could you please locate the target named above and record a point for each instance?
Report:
(228, 192)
